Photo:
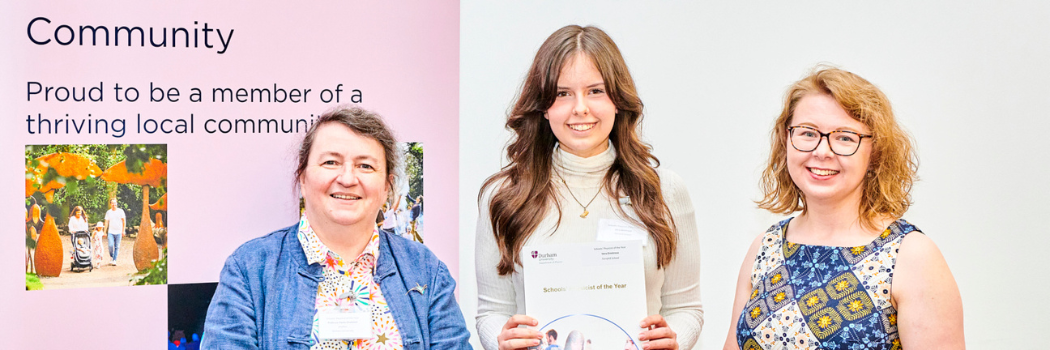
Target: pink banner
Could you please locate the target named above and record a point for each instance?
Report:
(229, 88)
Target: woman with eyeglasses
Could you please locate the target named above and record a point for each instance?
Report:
(848, 272)
(577, 158)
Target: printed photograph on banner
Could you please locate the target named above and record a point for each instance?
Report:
(402, 215)
(584, 332)
(187, 308)
(95, 215)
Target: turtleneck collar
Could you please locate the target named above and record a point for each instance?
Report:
(570, 165)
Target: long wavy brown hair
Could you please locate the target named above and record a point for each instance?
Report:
(526, 193)
(891, 169)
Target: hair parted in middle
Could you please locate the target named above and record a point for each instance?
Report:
(361, 121)
(525, 191)
(77, 209)
(892, 167)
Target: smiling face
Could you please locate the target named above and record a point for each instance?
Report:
(582, 115)
(823, 176)
(345, 180)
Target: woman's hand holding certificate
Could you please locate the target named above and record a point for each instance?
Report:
(514, 337)
(659, 335)
(579, 173)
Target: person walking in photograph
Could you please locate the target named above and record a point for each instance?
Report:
(80, 238)
(98, 234)
(116, 221)
(77, 221)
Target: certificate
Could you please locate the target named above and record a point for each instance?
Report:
(592, 295)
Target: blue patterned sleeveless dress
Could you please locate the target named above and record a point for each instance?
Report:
(821, 297)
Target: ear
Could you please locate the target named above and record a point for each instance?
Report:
(389, 188)
(545, 116)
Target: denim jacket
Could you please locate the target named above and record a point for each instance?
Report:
(266, 294)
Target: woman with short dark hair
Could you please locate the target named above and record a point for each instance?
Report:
(334, 281)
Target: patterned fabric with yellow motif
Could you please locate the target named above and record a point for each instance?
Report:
(822, 297)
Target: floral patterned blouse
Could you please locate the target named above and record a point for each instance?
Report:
(350, 282)
(822, 297)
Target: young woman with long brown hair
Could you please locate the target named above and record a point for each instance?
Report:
(577, 157)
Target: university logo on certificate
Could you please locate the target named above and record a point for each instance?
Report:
(592, 295)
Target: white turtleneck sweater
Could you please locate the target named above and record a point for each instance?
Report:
(673, 292)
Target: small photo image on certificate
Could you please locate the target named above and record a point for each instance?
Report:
(585, 331)
(586, 295)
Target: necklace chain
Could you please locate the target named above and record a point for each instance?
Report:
(585, 212)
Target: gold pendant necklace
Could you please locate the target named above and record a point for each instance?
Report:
(585, 212)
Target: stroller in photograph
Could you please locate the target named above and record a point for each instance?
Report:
(81, 251)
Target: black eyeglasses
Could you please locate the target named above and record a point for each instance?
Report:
(842, 142)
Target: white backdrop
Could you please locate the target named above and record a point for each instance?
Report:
(971, 82)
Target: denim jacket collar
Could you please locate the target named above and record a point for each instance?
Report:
(385, 266)
(267, 295)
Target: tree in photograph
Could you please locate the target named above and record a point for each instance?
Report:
(32, 222)
(91, 193)
(160, 232)
(414, 169)
(46, 175)
(151, 172)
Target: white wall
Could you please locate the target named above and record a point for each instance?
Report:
(971, 82)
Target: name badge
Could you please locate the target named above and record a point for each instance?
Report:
(618, 230)
(344, 323)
